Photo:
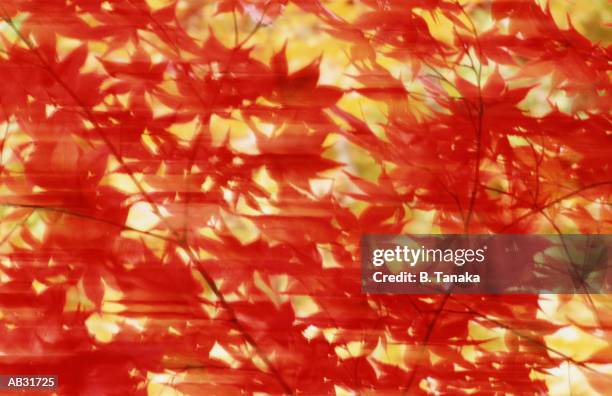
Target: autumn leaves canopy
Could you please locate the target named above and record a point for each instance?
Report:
(184, 186)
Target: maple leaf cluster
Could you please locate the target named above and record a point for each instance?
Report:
(184, 186)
